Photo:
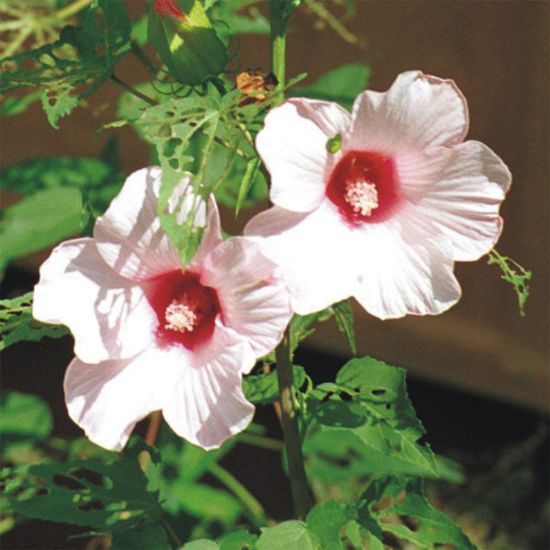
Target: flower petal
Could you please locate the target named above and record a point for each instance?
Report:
(129, 235)
(293, 148)
(314, 252)
(464, 200)
(418, 111)
(403, 269)
(207, 406)
(254, 302)
(108, 315)
(212, 235)
(107, 399)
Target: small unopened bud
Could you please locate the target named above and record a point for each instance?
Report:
(185, 40)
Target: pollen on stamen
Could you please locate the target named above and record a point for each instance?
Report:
(362, 196)
(180, 317)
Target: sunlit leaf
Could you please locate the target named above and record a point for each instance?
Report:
(24, 416)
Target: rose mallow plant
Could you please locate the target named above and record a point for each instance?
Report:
(149, 335)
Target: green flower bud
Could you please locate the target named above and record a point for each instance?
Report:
(185, 40)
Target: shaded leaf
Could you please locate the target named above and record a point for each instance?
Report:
(38, 221)
(17, 323)
(24, 416)
(262, 389)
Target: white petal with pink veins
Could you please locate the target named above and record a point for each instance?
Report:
(464, 200)
(108, 315)
(211, 237)
(208, 406)
(418, 111)
(107, 399)
(129, 235)
(293, 148)
(403, 270)
(254, 302)
(314, 252)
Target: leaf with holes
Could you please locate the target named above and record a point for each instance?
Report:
(74, 66)
(399, 506)
(364, 425)
(107, 497)
(18, 324)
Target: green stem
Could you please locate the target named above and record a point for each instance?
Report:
(253, 508)
(277, 19)
(289, 422)
(172, 535)
(132, 90)
(261, 441)
(71, 9)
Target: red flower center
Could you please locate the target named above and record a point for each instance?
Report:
(185, 308)
(168, 7)
(363, 186)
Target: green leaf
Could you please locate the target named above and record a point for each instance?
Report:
(143, 537)
(38, 221)
(15, 105)
(290, 535)
(238, 19)
(99, 180)
(302, 326)
(17, 323)
(408, 515)
(515, 274)
(24, 416)
(238, 540)
(341, 85)
(343, 313)
(108, 497)
(74, 66)
(366, 426)
(262, 389)
(201, 544)
(326, 521)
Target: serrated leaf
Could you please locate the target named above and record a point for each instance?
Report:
(17, 323)
(291, 535)
(24, 416)
(262, 389)
(341, 85)
(515, 274)
(38, 221)
(108, 497)
(74, 66)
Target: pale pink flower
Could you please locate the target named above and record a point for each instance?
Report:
(150, 336)
(384, 218)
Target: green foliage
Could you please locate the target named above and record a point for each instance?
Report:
(142, 537)
(292, 534)
(107, 497)
(17, 323)
(74, 66)
(515, 274)
(239, 17)
(364, 425)
(399, 506)
(301, 326)
(38, 221)
(97, 179)
(23, 417)
(263, 389)
(341, 85)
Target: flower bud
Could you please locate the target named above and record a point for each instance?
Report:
(185, 40)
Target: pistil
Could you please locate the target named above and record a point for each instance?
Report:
(362, 196)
